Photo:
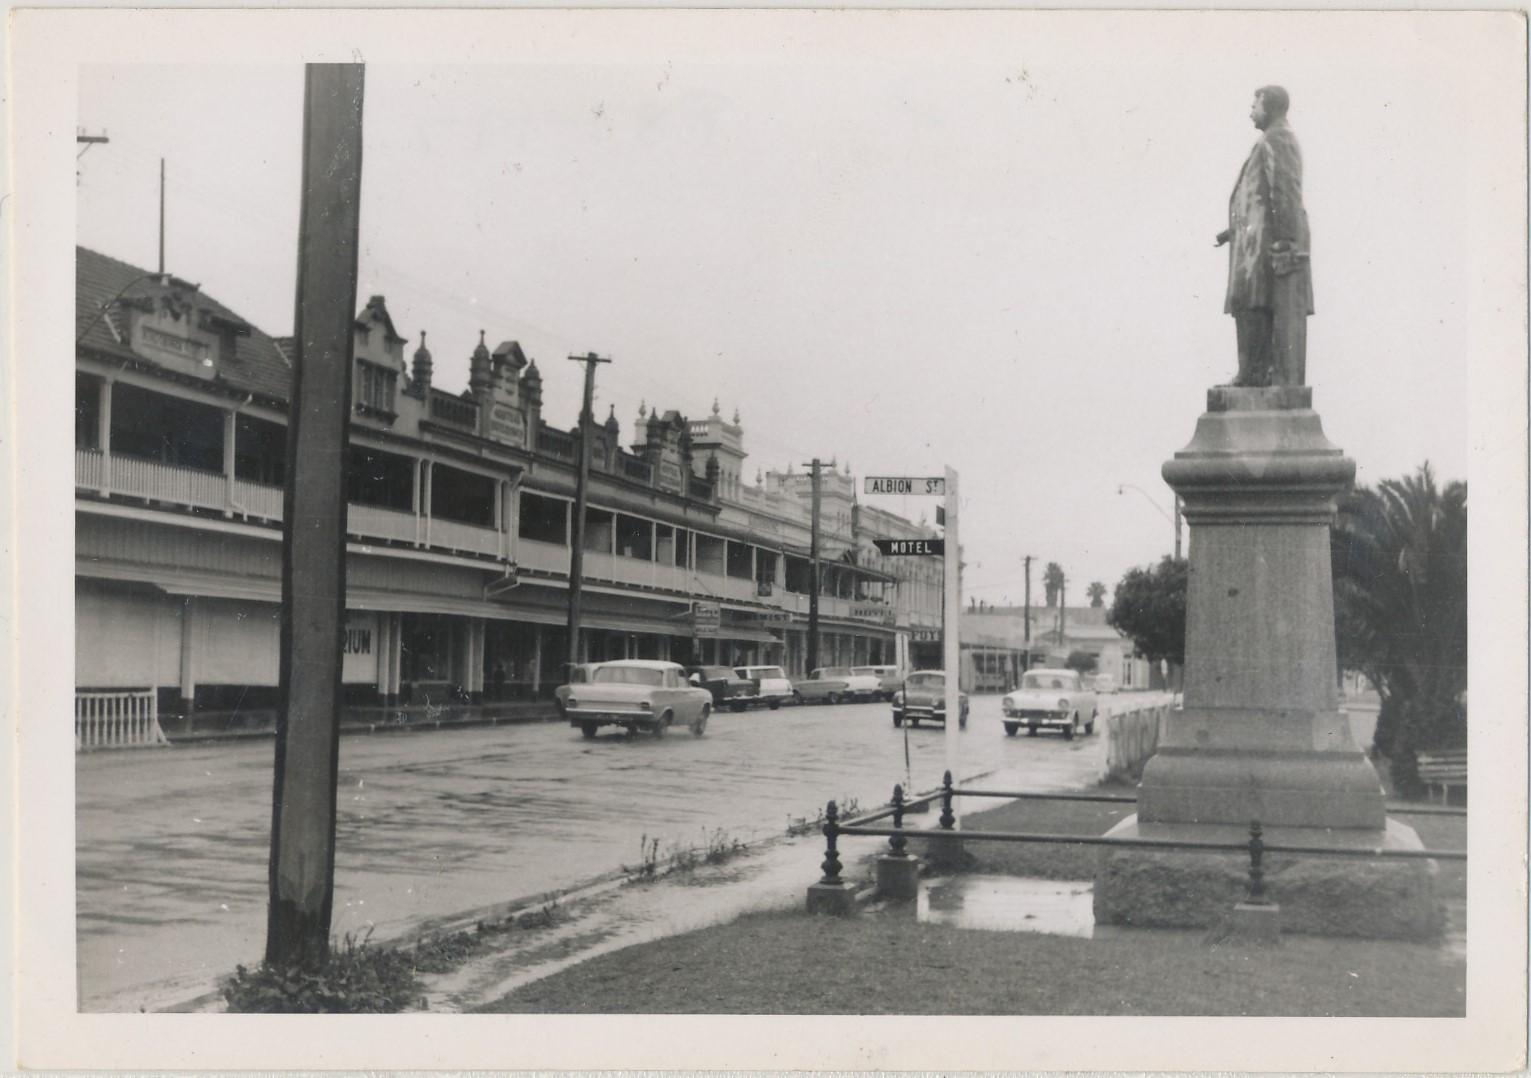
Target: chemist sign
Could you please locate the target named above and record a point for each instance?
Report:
(905, 484)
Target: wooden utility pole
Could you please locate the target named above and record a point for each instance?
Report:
(162, 216)
(1026, 662)
(577, 549)
(813, 571)
(302, 870)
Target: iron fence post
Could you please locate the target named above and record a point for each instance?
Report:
(947, 819)
(897, 841)
(831, 865)
(1256, 865)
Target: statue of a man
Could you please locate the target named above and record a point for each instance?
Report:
(1270, 287)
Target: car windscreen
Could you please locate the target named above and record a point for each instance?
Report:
(763, 671)
(1046, 681)
(926, 681)
(717, 673)
(874, 671)
(628, 675)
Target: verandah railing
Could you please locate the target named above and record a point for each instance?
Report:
(117, 720)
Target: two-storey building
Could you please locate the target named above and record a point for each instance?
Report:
(458, 521)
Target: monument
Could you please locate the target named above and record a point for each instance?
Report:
(1261, 735)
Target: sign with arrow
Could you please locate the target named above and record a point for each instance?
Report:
(899, 547)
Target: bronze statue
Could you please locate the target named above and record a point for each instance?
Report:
(1270, 286)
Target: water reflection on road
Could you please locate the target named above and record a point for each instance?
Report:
(172, 845)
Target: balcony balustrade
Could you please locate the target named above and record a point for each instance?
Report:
(454, 410)
(258, 500)
(556, 443)
(468, 538)
(375, 522)
(546, 557)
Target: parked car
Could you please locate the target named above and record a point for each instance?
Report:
(1104, 683)
(728, 689)
(889, 680)
(819, 688)
(858, 686)
(1055, 698)
(923, 699)
(772, 686)
(636, 694)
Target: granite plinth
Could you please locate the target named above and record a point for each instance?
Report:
(833, 898)
(1358, 896)
(898, 878)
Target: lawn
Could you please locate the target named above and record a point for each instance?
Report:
(884, 962)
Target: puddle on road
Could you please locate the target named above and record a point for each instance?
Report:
(1009, 904)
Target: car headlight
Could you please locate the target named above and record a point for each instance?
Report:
(644, 705)
(570, 702)
(1063, 704)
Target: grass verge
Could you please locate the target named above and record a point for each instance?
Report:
(884, 962)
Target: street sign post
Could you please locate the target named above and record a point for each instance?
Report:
(906, 484)
(901, 547)
(951, 652)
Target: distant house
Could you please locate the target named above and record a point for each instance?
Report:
(995, 648)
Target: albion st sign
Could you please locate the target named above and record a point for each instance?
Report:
(894, 547)
(905, 484)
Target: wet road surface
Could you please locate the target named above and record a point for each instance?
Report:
(172, 844)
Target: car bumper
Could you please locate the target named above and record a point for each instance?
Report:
(581, 715)
(1038, 718)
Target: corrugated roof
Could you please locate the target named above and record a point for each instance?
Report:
(104, 284)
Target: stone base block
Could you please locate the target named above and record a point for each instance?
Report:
(836, 898)
(898, 878)
(1319, 895)
(1252, 923)
(943, 851)
(1305, 790)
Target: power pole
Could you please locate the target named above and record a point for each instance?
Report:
(162, 216)
(1026, 663)
(1178, 518)
(813, 571)
(302, 869)
(1063, 602)
(577, 550)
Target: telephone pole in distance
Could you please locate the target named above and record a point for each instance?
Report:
(577, 547)
(813, 576)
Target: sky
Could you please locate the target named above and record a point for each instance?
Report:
(974, 241)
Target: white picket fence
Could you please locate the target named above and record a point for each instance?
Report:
(117, 720)
(1133, 722)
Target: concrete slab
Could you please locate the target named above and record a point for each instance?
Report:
(1009, 904)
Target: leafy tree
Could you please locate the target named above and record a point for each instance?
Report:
(1052, 580)
(1400, 594)
(1149, 608)
(1082, 661)
(1097, 593)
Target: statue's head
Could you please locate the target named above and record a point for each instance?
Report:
(1271, 103)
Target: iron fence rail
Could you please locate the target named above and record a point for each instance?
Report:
(1256, 847)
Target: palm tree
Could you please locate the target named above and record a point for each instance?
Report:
(1052, 580)
(1097, 593)
(1400, 589)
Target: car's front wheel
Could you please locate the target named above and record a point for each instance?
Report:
(699, 727)
(834, 698)
(1071, 729)
(587, 728)
(774, 703)
(1011, 728)
(898, 720)
(1089, 727)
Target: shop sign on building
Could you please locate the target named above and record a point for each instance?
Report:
(670, 477)
(879, 612)
(897, 547)
(507, 423)
(174, 344)
(925, 636)
(706, 619)
(358, 648)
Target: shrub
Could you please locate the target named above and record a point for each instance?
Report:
(357, 979)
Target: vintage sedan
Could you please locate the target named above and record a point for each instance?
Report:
(1052, 698)
(923, 699)
(772, 686)
(820, 688)
(859, 684)
(889, 680)
(728, 689)
(637, 694)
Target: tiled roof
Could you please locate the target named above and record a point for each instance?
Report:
(103, 284)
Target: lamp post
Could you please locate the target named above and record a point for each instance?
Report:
(1122, 488)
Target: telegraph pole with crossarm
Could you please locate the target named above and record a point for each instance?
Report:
(577, 549)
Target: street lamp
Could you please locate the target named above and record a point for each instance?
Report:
(1122, 488)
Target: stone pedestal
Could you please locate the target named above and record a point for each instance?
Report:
(898, 878)
(1261, 735)
(838, 898)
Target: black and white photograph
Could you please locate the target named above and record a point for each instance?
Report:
(769, 539)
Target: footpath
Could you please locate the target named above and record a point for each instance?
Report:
(261, 722)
